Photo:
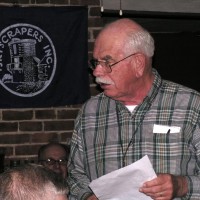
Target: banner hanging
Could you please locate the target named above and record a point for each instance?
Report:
(43, 56)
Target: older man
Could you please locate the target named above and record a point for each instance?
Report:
(119, 126)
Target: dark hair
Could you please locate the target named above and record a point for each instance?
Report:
(46, 146)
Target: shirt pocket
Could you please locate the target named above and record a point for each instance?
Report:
(166, 152)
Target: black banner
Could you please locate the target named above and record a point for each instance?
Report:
(43, 56)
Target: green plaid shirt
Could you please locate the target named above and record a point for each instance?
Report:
(104, 128)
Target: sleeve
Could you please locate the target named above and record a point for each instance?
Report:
(194, 180)
(77, 176)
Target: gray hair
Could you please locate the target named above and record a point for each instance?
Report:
(140, 41)
(31, 182)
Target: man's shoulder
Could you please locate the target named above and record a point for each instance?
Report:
(100, 98)
(181, 94)
(176, 87)
(99, 101)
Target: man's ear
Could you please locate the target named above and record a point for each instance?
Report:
(139, 64)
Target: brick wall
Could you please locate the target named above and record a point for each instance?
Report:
(23, 131)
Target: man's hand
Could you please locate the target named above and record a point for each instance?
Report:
(165, 187)
(92, 197)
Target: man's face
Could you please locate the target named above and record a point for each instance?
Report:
(120, 83)
(55, 159)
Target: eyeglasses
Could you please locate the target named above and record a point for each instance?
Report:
(51, 161)
(105, 63)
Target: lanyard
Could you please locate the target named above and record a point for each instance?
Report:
(143, 107)
(132, 140)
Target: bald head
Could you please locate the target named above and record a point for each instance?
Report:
(128, 35)
(123, 25)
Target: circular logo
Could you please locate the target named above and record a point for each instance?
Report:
(27, 60)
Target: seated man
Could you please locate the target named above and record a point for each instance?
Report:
(54, 156)
(32, 182)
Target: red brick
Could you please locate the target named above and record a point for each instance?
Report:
(8, 126)
(45, 114)
(58, 125)
(95, 22)
(67, 114)
(27, 149)
(43, 137)
(95, 11)
(17, 115)
(30, 126)
(14, 138)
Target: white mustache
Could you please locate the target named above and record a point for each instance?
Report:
(101, 80)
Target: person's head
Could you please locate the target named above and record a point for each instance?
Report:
(129, 80)
(32, 182)
(54, 156)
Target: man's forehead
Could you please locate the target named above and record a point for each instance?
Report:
(55, 150)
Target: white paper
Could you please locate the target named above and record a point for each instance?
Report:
(164, 129)
(124, 184)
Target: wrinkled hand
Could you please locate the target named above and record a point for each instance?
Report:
(165, 187)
